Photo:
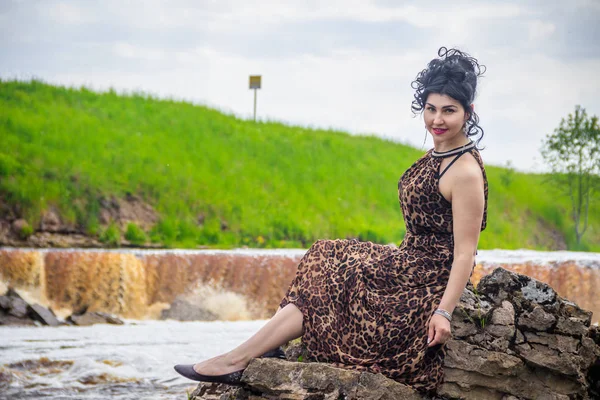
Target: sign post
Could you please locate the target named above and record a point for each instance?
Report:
(255, 84)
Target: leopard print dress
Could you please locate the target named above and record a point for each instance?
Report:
(367, 306)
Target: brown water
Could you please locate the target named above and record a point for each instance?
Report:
(235, 284)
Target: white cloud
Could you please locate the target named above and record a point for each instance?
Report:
(540, 30)
(350, 84)
(127, 50)
(65, 12)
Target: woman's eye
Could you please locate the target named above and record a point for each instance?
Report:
(449, 109)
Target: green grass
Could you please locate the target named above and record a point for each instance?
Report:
(262, 184)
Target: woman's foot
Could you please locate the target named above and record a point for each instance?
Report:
(220, 365)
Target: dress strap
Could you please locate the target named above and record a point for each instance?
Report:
(452, 162)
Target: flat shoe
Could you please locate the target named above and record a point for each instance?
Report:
(187, 370)
(275, 353)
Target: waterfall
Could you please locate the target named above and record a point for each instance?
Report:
(234, 284)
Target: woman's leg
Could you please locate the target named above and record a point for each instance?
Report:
(284, 326)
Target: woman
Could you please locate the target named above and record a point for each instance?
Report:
(383, 309)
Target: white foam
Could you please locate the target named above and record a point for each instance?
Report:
(496, 255)
(537, 257)
(148, 350)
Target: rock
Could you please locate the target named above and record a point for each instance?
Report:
(502, 324)
(594, 333)
(525, 386)
(4, 303)
(537, 319)
(505, 315)
(94, 317)
(467, 357)
(43, 315)
(538, 292)
(15, 311)
(295, 351)
(571, 310)
(224, 225)
(130, 209)
(182, 310)
(50, 222)
(216, 391)
(521, 290)
(52, 239)
(571, 326)
(519, 338)
(462, 328)
(564, 344)
(543, 356)
(514, 338)
(278, 379)
(472, 307)
(18, 226)
(501, 331)
(6, 319)
(14, 305)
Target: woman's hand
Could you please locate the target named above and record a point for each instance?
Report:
(439, 330)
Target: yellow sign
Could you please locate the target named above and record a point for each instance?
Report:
(255, 81)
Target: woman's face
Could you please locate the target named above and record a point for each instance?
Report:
(444, 117)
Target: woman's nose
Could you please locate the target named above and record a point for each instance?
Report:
(438, 120)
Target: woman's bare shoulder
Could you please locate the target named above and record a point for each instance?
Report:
(468, 170)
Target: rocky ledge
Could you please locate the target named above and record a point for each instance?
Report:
(513, 338)
(14, 310)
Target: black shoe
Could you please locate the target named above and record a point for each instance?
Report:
(275, 353)
(187, 370)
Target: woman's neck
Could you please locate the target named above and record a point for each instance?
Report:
(447, 145)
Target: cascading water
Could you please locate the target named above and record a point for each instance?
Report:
(138, 283)
(135, 360)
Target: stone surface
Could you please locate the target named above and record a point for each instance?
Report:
(50, 222)
(18, 226)
(182, 310)
(91, 318)
(278, 379)
(43, 315)
(6, 319)
(125, 210)
(17, 307)
(571, 326)
(538, 319)
(513, 338)
(15, 311)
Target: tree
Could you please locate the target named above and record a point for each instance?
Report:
(573, 154)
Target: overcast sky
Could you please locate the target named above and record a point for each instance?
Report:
(343, 64)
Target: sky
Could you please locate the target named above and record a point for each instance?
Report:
(339, 64)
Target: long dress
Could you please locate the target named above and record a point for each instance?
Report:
(367, 306)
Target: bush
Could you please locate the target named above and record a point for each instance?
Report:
(93, 226)
(25, 231)
(135, 234)
(111, 236)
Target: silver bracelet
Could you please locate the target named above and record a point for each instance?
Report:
(443, 313)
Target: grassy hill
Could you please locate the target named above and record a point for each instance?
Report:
(217, 180)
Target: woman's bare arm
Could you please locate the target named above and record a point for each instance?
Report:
(467, 214)
(467, 194)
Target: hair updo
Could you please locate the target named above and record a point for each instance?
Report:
(455, 75)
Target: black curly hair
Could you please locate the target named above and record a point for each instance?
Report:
(454, 74)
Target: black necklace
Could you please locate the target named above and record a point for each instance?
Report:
(457, 150)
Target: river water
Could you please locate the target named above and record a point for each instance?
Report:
(135, 360)
(131, 361)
